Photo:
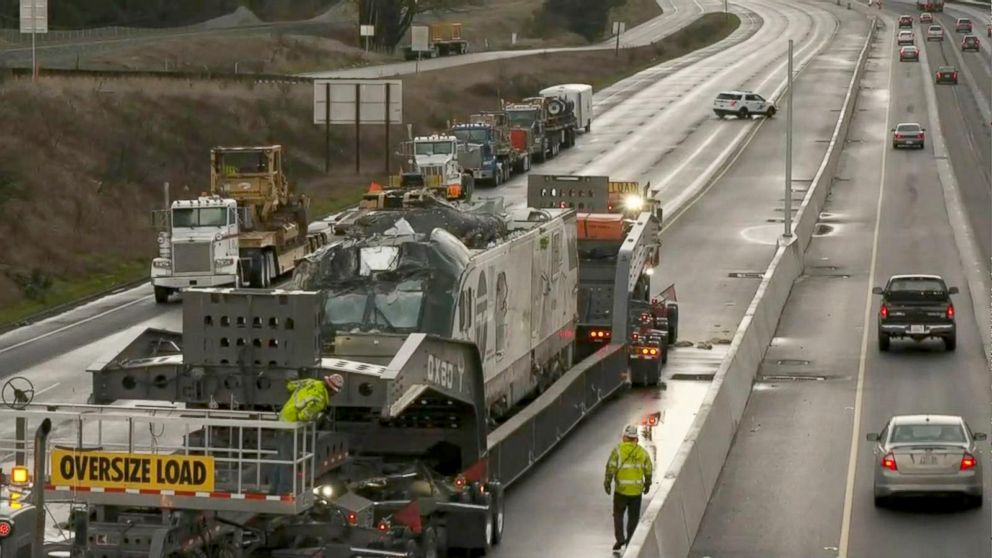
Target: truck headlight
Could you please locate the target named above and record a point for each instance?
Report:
(163, 238)
(633, 203)
(162, 263)
(324, 491)
(223, 262)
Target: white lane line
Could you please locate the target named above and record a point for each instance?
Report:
(852, 462)
(74, 324)
(49, 388)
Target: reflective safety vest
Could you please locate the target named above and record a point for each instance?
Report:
(308, 398)
(629, 466)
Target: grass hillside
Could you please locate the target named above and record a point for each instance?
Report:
(82, 160)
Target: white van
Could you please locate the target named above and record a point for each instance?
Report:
(581, 96)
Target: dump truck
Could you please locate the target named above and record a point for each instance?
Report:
(619, 243)
(497, 160)
(445, 39)
(248, 230)
(541, 126)
(435, 162)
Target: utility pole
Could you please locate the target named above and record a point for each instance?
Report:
(788, 152)
(34, 31)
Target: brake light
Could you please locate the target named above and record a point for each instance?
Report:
(460, 481)
(889, 462)
(352, 518)
(954, 75)
(6, 528)
(599, 334)
(883, 311)
(950, 311)
(968, 462)
(898, 135)
(919, 136)
(383, 526)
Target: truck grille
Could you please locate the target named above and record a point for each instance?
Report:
(191, 258)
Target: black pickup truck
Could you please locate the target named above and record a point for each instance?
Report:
(918, 307)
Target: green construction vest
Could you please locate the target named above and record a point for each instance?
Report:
(308, 398)
(630, 467)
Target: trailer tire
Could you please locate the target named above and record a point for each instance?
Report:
(496, 489)
(442, 541)
(162, 294)
(255, 273)
(487, 544)
(672, 311)
(429, 544)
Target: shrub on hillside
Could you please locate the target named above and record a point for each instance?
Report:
(588, 18)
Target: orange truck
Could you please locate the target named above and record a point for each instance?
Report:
(444, 39)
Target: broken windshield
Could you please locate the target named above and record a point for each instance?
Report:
(387, 306)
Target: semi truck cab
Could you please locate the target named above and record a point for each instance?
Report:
(198, 245)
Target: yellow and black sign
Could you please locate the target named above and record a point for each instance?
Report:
(624, 188)
(132, 470)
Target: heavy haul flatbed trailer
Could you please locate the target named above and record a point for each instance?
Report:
(619, 243)
(402, 467)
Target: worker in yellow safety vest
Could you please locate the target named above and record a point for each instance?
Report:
(629, 466)
(307, 400)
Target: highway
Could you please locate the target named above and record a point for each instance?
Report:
(654, 126)
(724, 233)
(676, 15)
(791, 485)
(966, 116)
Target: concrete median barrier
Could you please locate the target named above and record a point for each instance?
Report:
(673, 515)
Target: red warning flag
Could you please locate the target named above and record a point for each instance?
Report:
(477, 472)
(409, 516)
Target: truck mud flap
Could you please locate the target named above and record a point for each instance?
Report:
(466, 524)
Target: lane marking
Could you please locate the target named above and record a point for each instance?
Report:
(49, 388)
(74, 324)
(852, 462)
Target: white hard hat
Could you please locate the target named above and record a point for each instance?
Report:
(630, 431)
(334, 382)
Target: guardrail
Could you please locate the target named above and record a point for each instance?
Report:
(519, 443)
(203, 75)
(671, 519)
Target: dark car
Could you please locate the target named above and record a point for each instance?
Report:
(917, 307)
(971, 42)
(947, 74)
(905, 21)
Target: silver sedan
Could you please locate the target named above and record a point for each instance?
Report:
(920, 455)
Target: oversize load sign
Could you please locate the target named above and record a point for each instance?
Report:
(132, 470)
(624, 187)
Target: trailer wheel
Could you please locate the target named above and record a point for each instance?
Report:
(489, 530)
(496, 489)
(428, 543)
(673, 323)
(162, 294)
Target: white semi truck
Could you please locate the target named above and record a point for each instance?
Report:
(248, 230)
